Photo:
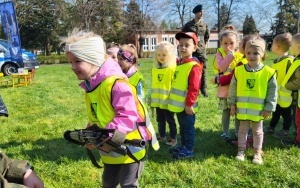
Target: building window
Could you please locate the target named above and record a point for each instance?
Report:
(165, 38)
(153, 43)
(172, 40)
(146, 44)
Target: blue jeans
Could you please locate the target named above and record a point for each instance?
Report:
(187, 129)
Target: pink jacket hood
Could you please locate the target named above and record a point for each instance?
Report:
(109, 68)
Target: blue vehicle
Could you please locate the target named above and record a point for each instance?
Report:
(9, 66)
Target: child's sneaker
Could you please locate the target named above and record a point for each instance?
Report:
(183, 154)
(281, 134)
(171, 142)
(225, 137)
(176, 149)
(161, 139)
(269, 130)
(240, 156)
(257, 159)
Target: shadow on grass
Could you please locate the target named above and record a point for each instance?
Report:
(208, 144)
(50, 150)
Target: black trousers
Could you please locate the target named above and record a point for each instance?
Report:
(286, 114)
(163, 116)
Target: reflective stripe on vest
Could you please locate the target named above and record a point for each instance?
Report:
(161, 86)
(284, 95)
(251, 92)
(142, 110)
(179, 88)
(238, 57)
(146, 118)
(101, 112)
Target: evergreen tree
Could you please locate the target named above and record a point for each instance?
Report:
(249, 26)
(163, 25)
(133, 21)
(287, 19)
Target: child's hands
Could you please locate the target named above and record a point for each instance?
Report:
(232, 110)
(229, 50)
(265, 114)
(189, 110)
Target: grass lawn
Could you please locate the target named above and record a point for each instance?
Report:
(40, 113)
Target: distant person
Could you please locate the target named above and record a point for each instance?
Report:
(280, 47)
(111, 103)
(252, 97)
(200, 28)
(128, 61)
(17, 174)
(158, 94)
(184, 94)
(290, 87)
(226, 59)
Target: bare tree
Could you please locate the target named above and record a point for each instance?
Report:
(181, 8)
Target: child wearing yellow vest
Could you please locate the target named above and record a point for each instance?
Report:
(161, 77)
(183, 98)
(226, 60)
(225, 80)
(252, 97)
(111, 103)
(280, 47)
(291, 87)
(128, 61)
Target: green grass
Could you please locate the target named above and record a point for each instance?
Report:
(40, 113)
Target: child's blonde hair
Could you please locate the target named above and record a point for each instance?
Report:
(228, 30)
(76, 35)
(167, 48)
(78, 41)
(284, 40)
(133, 59)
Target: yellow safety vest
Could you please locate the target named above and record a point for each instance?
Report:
(161, 86)
(136, 78)
(281, 68)
(101, 112)
(238, 57)
(251, 92)
(179, 87)
(284, 95)
(142, 109)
